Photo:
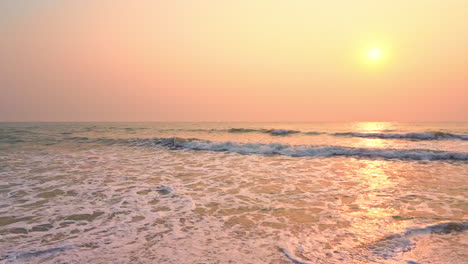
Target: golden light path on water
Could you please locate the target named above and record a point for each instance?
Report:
(373, 127)
(376, 179)
(373, 205)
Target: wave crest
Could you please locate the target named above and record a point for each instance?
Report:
(303, 150)
(396, 244)
(274, 132)
(434, 135)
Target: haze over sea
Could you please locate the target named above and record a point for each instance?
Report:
(233, 192)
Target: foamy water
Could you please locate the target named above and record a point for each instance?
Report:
(233, 193)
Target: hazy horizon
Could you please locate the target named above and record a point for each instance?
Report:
(225, 61)
(232, 122)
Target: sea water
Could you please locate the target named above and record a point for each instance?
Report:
(233, 192)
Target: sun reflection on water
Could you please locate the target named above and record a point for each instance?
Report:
(372, 211)
(374, 127)
(371, 143)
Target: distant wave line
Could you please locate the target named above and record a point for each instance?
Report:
(433, 135)
(414, 135)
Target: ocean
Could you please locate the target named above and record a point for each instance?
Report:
(298, 193)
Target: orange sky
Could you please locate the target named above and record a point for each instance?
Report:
(243, 60)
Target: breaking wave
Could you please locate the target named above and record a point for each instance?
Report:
(387, 248)
(300, 150)
(399, 243)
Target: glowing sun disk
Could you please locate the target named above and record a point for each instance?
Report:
(374, 53)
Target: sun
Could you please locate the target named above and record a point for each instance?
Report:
(374, 53)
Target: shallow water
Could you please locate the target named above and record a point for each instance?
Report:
(233, 192)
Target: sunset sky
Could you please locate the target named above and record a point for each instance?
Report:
(226, 60)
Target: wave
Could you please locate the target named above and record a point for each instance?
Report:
(244, 130)
(398, 243)
(33, 254)
(300, 150)
(274, 132)
(435, 135)
(440, 229)
(281, 132)
(387, 248)
(292, 256)
(262, 148)
(414, 136)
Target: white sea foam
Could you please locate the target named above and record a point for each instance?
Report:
(96, 194)
(307, 150)
(288, 253)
